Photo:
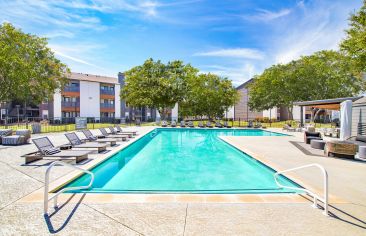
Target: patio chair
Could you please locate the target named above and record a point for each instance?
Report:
(226, 124)
(22, 136)
(190, 124)
(288, 128)
(164, 123)
(182, 124)
(119, 130)
(75, 141)
(201, 125)
(218, 124)
(173, 124)
(90, 137)
(308, 136)
(113, 131)
(5, 132)
(47, 149)
(123, 137)
(209, 125)
(258, 125)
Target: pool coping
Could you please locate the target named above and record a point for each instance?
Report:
(37, 196)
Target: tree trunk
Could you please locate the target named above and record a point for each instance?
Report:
(317, 113)
(290, 112)
(162, 112)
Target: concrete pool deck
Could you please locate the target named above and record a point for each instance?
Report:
(83, 215)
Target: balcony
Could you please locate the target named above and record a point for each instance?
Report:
(71, 89)
(107, 91)
(70, 104)
(106, 105)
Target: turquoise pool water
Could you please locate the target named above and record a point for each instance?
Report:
(184, 160)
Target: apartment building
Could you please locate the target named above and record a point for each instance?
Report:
(243, 112)
(85, 95)
(241, 109)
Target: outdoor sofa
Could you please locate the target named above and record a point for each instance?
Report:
(4, 133)
(76, 142)
(359, 140)
(47, 149)
(22, 136)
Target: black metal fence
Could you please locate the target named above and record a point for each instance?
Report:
(62, 124)
(68, 124)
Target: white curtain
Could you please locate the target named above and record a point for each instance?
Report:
(346, 119)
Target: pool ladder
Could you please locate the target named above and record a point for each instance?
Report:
(54, 197)
(323, 199)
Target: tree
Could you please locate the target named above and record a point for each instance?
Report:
(355, 43)
(157, 85)
(208, 95)
(28, 68)
(323, 75)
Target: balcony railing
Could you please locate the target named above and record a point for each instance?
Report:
(107, 91)
(106, 105)
(70, 104)
(71, 89)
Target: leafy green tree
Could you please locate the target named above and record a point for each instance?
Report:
(355, 43)
(28, 69)
(208, 95)
(323, 75)
(157, 85)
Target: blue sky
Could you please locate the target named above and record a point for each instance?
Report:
(232, 38)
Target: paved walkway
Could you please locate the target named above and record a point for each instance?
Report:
(78, 217)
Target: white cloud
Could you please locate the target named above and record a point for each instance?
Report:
(247, 53)
(318, 27)
(238, 74)
(82, 50)
(266, 15)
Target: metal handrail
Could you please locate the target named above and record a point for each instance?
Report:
(46, 184)
(315, 196)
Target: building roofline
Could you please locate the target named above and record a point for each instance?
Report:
(326, 101)
(93, 78)
(245, 83)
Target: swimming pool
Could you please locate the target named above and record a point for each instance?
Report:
(184, 161)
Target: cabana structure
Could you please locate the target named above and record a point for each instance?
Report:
(359, 117)
(344, 105)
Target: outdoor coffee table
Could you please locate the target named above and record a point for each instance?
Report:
(317, 144)
(343, 148)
